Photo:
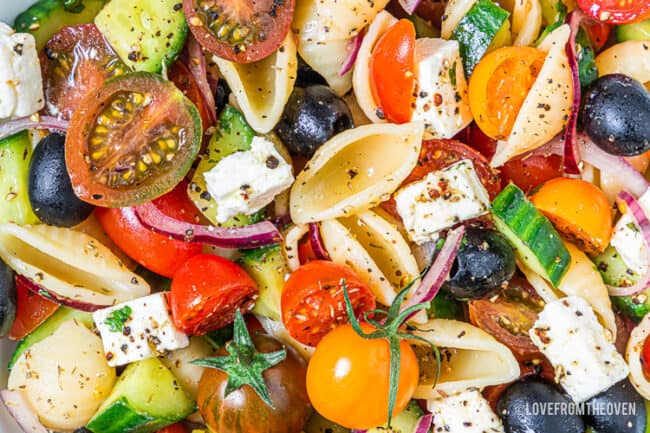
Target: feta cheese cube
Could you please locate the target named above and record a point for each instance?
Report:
(441, 99)
(585, 360)
(245, 182)
(138, 329)
(21, 85)
(440, 200)
(628, 240)
(465, 412)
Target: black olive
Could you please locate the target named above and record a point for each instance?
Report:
(221, 94)
(7, 298)
(616, 115)
(312, 116)
(524, 408)
(483, 263)
(307, 76)
(50, 189)
(622, 398)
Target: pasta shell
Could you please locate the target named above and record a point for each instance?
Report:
(326, 58)
(631, 58)
(454, 12)
(526, 21)
(263, 88)
(74, 267)
(355, 170)
(471, 358)
(633, 357)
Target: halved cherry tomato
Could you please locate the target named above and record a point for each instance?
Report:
(206, 292)
(31, 311)
(75, 61)
(131, 140)
(180, 75)
(241, 31)
(306, 253)
(498, 86)
(578, 209)
(154, 251)
(313, 302)
(645, 357)
(348, 378)
(392, 71)
(616, 11)
(174, 428)
(598, 33)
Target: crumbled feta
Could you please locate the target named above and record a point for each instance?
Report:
(440, 200)
(628, 240)
(146, 329)
(21, 85)
(441, 99)
(465, 412)
(245, 182)
(585, 360)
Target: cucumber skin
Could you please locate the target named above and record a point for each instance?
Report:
(120, 418)
(268, 268)
(633, 32)
(15, 154)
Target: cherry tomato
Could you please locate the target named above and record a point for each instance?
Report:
(31, 311)
(616, 11)
(392, 71)
(577, 208)
(598, 33)
(174, 428)
(154, 251)
(181, 76)
(241, 31)
(206, 291)
(498, 86)
(530, 172)
(313, 302)
(305, 252)
(348, 378)
(645, 357)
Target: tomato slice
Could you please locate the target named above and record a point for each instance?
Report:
(645, 358)
(313, 302)
(181, 76)
(206, 292)
(392, 71)
(616, 11)
(31, 310)
(174, 428)
(131, 140)
(241, 31)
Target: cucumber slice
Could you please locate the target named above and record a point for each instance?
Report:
(476, 30)
(268, 267)
(423, 29)
(633, 32)
(445, 306)
(49, 327)
(15, 152)
(145, 398)
(146, 34)
(534, 238)
(403, 422)
(46, 17)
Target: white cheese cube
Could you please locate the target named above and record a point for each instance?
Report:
(585, 360)
(146, 329)
(628, 240)
(21, 85)
(440, 200)
(245, 182)
(465, 412)
(441, 99)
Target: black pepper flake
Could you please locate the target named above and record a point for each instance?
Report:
(178, 6)
(380, 114)
(272, 162)
(18, 49)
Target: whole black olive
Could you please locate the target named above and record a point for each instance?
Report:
(221, 94)
(50, 190)
(7, 298)
(616, 115)
(483, 263)
(620, 409)
(307, 76)
(312, 116)
(525, 407)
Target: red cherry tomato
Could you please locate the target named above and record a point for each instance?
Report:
(616, 11)
(31, 311)
(306, 253)
(174, 428)
(527, 173)
(645, 358)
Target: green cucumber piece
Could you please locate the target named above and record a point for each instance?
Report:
(268, 267)
(49, 327)
(147, 34)
(15, 152)
(633, 32)
(534, 238)
(145, 398)
(403, 422)
(587, 70)
(476, 30)
(317, 423)
(445, 306)
(45, 18)
(423, 29)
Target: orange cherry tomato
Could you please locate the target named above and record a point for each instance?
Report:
(174, 428)
(498, 86)
(31, 311)
(578, 209)
(392, 71)
(348, 378)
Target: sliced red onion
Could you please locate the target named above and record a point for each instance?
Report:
(20, 411)
(11, 127)
(246, 237)
(82, 304)
(424, 423)
(197, 66)
(316, 242)
(409, 6)
(627, 201)
(438, 272)
(353, 50)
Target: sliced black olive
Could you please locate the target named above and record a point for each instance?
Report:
(312, 116)
(616, 115)
(620, 409)
(221, 94)
(7, 298)
(50, 190)
(483, 263)
(307, 76)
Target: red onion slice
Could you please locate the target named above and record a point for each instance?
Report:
(424, 423)
(246, 237)
(353, 50)
(81, 303)
(20, 411)
(409, 6)
(625, 200)
(11, 127)
(316, 242)
(197, 66)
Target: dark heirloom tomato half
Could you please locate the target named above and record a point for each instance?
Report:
(131, 140)
(181, 76)
(241, 31)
